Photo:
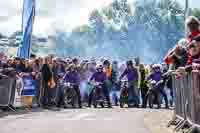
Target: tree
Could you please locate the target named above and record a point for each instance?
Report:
(196, 12)
(145, 29)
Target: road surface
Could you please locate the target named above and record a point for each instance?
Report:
(84, 121)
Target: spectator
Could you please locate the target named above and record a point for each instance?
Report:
(114, 79)
(46, 77)
(142, 84)
(193, 25)
(178, 56)
(194, 50)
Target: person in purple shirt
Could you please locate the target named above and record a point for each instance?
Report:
(131, 73)
(72, 76)
(156, 74)
(100, 76)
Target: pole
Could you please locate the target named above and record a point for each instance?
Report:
(186, 15)
(186, 8)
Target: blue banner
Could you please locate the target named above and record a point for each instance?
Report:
(28, 16)
(29, 86)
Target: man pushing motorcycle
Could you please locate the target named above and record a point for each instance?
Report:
(160, 80)
(99, 77)
(73, 77)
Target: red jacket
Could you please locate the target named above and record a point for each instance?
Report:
(192, 35)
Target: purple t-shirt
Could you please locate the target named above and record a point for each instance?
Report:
(99, 77)
(155, 76)
(72, 77)
(131, 74)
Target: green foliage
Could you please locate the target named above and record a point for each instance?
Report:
(196, 12)
(125, 29)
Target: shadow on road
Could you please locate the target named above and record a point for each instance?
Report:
(20, 111)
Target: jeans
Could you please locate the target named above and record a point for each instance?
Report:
(164, 94)
(133, 92)
(115, 93)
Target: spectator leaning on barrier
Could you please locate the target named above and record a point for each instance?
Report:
(194, 50)
(177, 56)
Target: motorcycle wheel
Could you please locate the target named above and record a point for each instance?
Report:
(71, 98)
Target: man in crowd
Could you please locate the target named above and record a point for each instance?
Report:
(46, 81)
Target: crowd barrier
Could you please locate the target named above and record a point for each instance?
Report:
(187, 101)
(7, 91)
(14, 93)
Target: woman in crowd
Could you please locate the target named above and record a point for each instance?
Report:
(193, 26)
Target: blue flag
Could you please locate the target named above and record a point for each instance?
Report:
(28, 17)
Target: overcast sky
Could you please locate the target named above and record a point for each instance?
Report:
(53, 14)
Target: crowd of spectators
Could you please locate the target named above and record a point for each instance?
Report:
(48, 71)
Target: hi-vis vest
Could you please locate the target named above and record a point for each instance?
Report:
(108, 72)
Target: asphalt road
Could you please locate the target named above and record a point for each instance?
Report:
(76, 121)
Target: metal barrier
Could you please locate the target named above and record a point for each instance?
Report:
(7, 91)
(187, 102)
(11, 93)
(194, 117)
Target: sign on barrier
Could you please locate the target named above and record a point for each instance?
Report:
(18, 90)
(29, 86)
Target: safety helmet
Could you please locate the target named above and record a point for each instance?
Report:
(156, 66)
(99, 67)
